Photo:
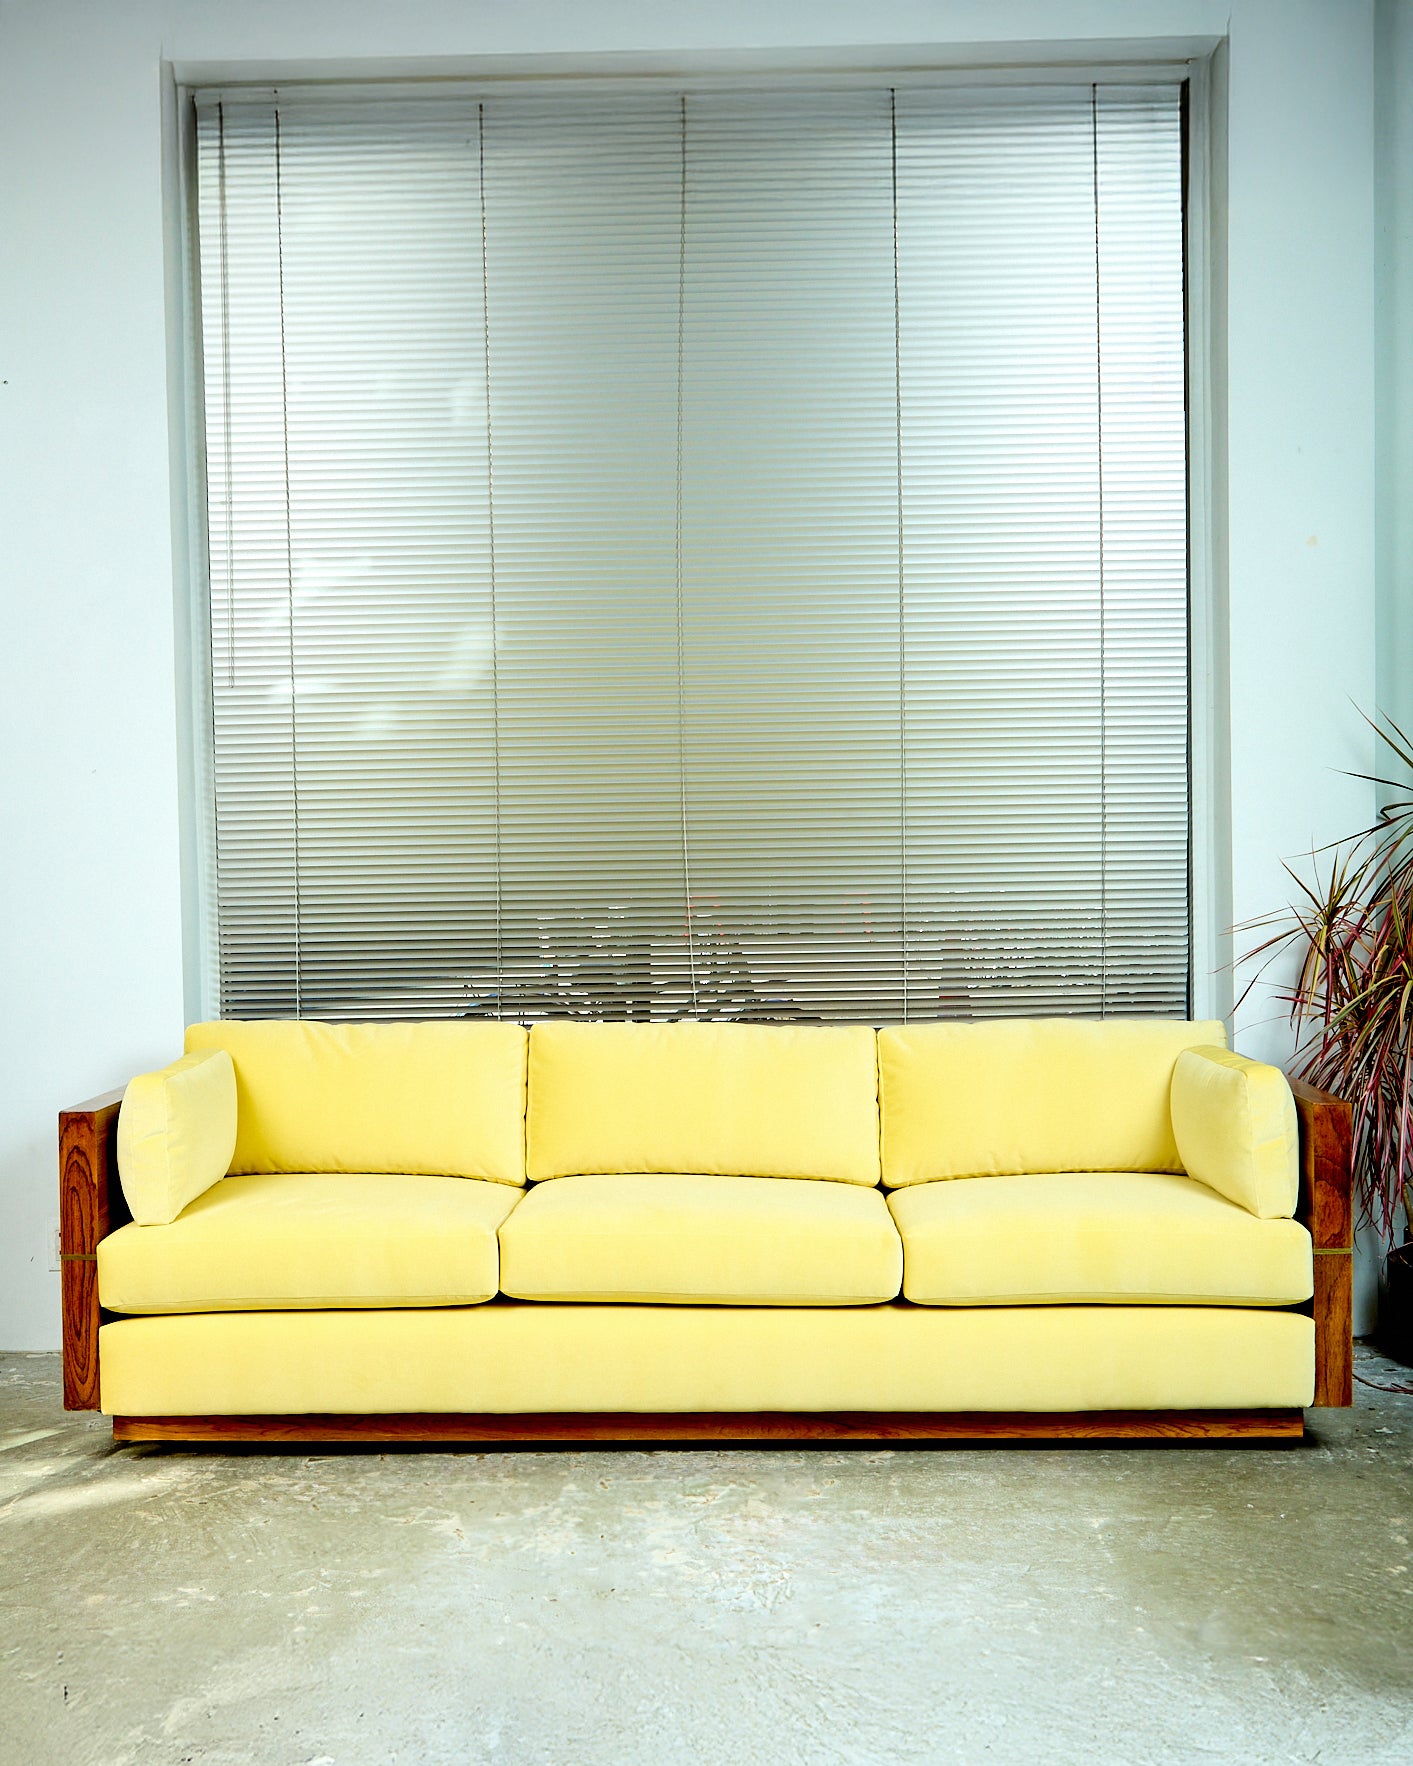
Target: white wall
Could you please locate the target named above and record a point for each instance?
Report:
(1300, 440)
(90, 970)
(1393, 121)
(91, 959)
(1394, 213)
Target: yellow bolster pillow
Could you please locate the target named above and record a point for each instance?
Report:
(1234, 1123)
(176, 1135)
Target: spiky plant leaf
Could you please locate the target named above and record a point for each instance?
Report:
(1352, 998)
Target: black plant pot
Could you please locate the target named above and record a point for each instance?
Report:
(1396, 1310)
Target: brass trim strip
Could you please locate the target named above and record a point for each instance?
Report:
(78, 1257)
(1333, 1250)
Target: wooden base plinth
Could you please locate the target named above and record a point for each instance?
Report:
(720, 1428)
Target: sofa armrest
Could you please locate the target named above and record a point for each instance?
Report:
(1326, 1208)
(91, 1206)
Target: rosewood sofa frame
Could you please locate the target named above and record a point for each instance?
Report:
(91, 1206)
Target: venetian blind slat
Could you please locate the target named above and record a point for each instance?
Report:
(1143, 377)
(710, 553)
(582, 224)
(790, 554)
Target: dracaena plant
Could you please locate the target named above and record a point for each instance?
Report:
(1352, 999)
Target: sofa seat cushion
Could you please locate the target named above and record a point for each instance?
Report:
(313, 1239)
(747, 1241)
(1094, 1236)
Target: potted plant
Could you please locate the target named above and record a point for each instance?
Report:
(1352, 1005)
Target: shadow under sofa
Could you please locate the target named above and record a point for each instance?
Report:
(466, 1231)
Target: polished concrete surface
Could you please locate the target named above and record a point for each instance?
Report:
(1032, 1604)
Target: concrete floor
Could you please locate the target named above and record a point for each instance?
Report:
(1032, 1604)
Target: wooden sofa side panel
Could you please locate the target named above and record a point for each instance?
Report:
(1326, 1208)
(90, 1207)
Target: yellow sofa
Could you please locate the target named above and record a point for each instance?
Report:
(632, 1231)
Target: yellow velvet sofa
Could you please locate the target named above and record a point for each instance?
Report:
(471, 1231)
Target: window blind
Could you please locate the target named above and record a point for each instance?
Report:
(711, 553)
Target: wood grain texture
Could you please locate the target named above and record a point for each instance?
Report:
(1326, 1207)
(1334, 1328)
(90, 1206)
(1099, 1425)
(1326, 1167)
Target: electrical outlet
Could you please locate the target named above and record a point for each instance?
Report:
(54, 1245)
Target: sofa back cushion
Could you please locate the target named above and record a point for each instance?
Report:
(732, 1100)
(176, 1134)
(1048, 1094)
(436, 1099)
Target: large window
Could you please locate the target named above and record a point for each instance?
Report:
(713, 554)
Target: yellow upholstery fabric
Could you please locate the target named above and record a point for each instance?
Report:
(732, 1100)
(514, 1356)
(176, 1134)
(1235, 1125)
(1049, 1094)
(313, 1239)
(440, 1098)
(1125, 1236)
(748, 1241)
